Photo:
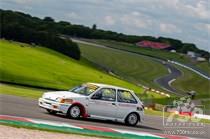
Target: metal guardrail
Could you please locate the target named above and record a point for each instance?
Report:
(187, 67)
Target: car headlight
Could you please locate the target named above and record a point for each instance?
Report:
(64, 100)
(58, 99)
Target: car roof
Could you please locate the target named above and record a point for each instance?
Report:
(110, 86)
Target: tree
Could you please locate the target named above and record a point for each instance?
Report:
(188, 47)
(23, 28)
(94, 27)
(48, 19)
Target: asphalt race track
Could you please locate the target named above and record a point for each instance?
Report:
(165, 81)
(24, 107)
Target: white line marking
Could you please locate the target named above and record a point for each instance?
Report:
(52, 123)
(189, 68)
(171, 81)
(137, 133)
(169, 70)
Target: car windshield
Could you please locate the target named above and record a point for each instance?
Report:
(85, 89)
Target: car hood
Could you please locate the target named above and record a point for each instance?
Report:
(61, 94)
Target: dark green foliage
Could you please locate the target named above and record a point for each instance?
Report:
(94, 27)
(28, 23)
(48, 19)
(188, 47)
(176, 44)
(24, 28)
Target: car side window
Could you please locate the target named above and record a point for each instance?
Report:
(125, 97)
(107, 94)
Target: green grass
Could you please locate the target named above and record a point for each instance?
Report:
(147, 51)
(205, 66)
(156, 113)
(21, 91)
(206, 103)
(41, 67)
(190, 81)
(134, 68)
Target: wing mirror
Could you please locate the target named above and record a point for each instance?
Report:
(97, 96)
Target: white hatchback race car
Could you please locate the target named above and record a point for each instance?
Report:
(99, 101)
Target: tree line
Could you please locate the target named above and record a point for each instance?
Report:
(17, 25)
(24, 28)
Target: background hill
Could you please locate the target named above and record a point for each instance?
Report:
(26, 25)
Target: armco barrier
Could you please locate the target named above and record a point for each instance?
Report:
(187, 67)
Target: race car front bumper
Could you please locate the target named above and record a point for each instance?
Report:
(53, 105)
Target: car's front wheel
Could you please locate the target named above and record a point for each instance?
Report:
(74, 112)
(132, 119)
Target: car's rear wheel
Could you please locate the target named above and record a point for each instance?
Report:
(51, 111)
(132, 119)
(74, 112)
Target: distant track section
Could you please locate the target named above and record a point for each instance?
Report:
(165, 81)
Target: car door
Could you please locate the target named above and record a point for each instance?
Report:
(126, 103)
(103, 103)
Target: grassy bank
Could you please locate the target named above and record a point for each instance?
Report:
(40, 67)
(150, 52)
(21, 91)
(187, 82)
(134, 68)
(205, 66)
(190, 81)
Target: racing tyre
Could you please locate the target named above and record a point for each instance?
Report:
(74, 112)
(132, 119)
